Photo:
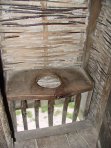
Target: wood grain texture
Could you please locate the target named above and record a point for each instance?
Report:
(94, 11)
(55, 130)
(26, 144)
(53, 142)
(65, 107)
(76, 107)
(105, 131)
(24, 114)
(13, 114)
(36, 107)
(99, 64)
(86, 139)
(78, 135)
(23, 85)
(50, 112)
(5, 133)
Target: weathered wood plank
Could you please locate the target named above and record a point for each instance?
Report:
(99, 65)
(36, 107)
(24, 114)
(50, 112)
(88, 102)
(53, 142)
(105, 134)
(26, 144)
(78, 135)
(65, 106)
(76, 106)
(75, 141)
(5, 133)
(13, 114)
(73, 81)
(86, 139)
(54, 130)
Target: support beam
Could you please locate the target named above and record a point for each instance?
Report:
(5, 134)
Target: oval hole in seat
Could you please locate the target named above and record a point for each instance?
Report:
(50, 81)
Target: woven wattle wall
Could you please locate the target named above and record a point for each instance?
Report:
(38, 34)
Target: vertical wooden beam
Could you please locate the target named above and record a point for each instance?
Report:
(5, 102)
(64, 113)
(50, 112)
(45, 32)
(5, 133)
(13, 114)
(76, 107)
(94, 10)
(24, 114)
(88, 102)
(36, 106)
(105, 131)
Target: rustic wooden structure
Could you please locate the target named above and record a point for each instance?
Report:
(40, 39)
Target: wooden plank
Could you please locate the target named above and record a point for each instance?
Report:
(93, 5)
(26, 144)
(5, 133)
(83, 139)
(24, 114)
(75, 141)
(36, 107)
(50, 112)
(88, 103)
(54, 130)
(13, 114)
(73, 81)
(99, 65)
(53, 142)
(79, 135)
(76, 107)
(64, 113)
(105, 132)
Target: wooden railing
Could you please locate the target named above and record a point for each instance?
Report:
(24, 105)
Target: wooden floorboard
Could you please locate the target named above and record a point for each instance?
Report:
(75, 135)
(53, 142)
(83, 139)
(75, 141)
(27, 144)
(55, 130)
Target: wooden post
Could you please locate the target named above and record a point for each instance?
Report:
(88, 102)
(24, 114)
(13, 114)
(50, 112)
(36, 106)
(64, 113)
(77, 106)
(5, 133)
